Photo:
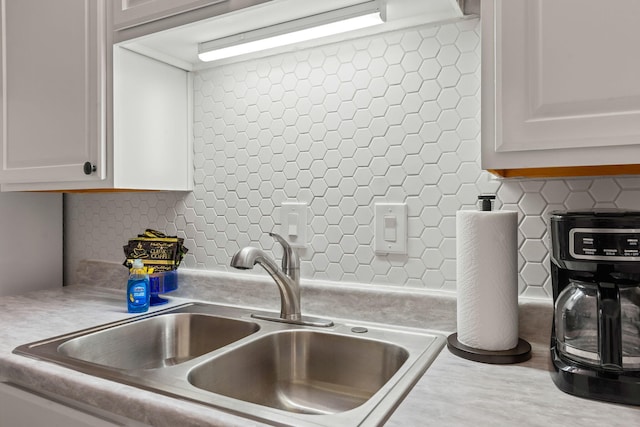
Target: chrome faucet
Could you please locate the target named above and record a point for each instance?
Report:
(287, 279)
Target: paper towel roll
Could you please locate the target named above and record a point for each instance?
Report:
(487, 279)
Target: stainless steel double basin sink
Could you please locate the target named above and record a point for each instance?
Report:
(348, 374)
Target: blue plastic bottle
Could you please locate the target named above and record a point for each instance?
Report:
(138, 288)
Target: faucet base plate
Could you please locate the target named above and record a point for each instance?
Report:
(304, 320)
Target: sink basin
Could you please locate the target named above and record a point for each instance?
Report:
(152, 341)
(352, 373)
(302, 371)
(158, 341)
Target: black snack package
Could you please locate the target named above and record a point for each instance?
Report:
(156, 250)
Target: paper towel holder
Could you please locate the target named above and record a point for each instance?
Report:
(521, 352)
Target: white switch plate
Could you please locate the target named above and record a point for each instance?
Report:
(391, 228)
(293, 220)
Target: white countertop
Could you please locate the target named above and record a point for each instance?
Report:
(453, 392)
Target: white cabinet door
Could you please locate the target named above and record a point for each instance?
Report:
(52, 112)
(149, 129)
(19, 408)
(560, 83)
(127, 13)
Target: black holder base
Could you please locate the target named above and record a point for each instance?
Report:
(521, 353)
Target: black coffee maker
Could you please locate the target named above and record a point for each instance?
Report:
(595, 271)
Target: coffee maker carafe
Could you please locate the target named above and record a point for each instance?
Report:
(595, 271)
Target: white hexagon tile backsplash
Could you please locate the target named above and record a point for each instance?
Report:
(386, 118)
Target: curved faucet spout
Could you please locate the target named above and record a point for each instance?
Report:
(289, 287)
(247, 257)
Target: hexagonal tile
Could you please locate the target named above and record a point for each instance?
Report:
(468, 85)
(448, 120)
(468, 62)
(604, 190)
(628, 199)
(579, 200)
(534, 274)
(429, 48)
(449, 76)
(532, 227)
(628, 183)
(430, 111)
(449, 183)
(533, 250)
(429, 69)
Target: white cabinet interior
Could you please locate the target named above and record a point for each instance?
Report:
(151, 124)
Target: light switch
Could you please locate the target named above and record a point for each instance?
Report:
(292, 219)
(293, 223)
(391, 228)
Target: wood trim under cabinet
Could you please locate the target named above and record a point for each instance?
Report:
(567, 171)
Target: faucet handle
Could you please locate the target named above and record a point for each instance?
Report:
(281, 240)
(290, 261)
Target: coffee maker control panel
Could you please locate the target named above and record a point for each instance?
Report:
(605, 244)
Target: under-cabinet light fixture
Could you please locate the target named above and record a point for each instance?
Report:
(312, 27)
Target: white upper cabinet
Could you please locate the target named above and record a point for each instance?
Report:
(52, 111)
(127, 13)
(79, 113)
(560, 83)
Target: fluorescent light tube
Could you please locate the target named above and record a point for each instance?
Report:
(300, 30)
